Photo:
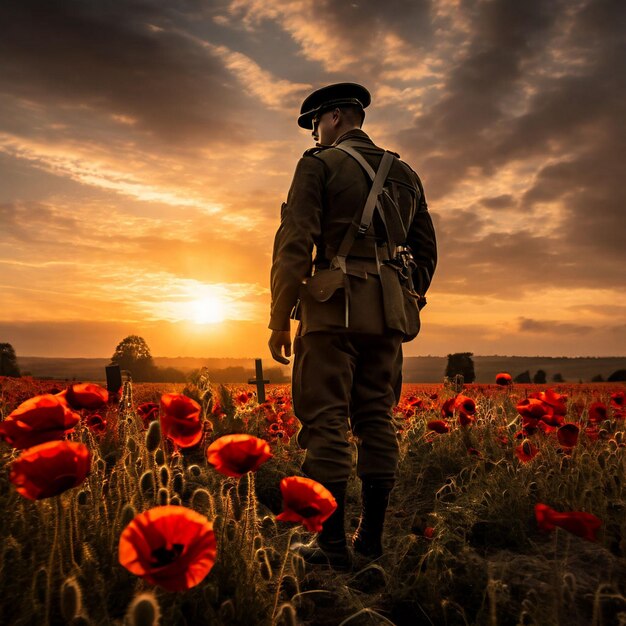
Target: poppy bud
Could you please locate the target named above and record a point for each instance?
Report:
(257, 542)
(131, 444)
(128, 513)
(178, 483)
(159, 457)
(287, 615)
(153, 436)
(144, 610)
(82, 497)
(194, 470)
(71, 599)
(41, 585)
(175, 500)
(201, 501)
(101, 466)
(227, 612)
(164, 475)
(163, 497)
(146, 483)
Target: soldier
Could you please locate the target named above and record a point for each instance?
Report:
(357, 301)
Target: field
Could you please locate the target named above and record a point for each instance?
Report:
(464, 543)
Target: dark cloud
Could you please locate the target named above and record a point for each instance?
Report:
(504, 201)
(123, 58)
(552, 326)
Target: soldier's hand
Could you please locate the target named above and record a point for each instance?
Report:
(280, 339)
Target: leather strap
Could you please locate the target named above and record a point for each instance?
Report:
(371, 203)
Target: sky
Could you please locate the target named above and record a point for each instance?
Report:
(146, 148)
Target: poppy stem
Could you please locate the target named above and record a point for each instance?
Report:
(58, 512)
(281, 573)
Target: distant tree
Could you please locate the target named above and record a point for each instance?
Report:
(463, 364)
(557, 378)
(617, 376)
(540, 377)
(8, 361)
(524, 377)
(598, 378)
(133, 354)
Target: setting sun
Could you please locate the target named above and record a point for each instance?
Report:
(209, 310)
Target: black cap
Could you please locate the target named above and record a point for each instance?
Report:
(329, 97)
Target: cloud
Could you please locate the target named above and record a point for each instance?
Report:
(360, 36)
(552, 326)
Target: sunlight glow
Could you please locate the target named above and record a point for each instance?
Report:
(209, 310)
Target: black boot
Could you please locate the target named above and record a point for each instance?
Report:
(367, 539)
(329, 547)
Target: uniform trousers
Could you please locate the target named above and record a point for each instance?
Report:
(343, 381)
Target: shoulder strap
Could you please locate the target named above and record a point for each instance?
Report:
(359, 225)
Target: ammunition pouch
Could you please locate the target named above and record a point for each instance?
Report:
(324, 300)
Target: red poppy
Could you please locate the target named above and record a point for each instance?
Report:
(39, 419)
(503, 379)
(618, 400)
(597, 412)
(526, 451)
(235, 455)
(533, 408)
(429, 532)
(243, 397)
(553, 399)
(148, 412)
(578, 523)
(180, 419)
(85, 396)
(416, 403)
(568, 435)
(306, 501)
(96, 423)
(170, 546)
(439, 426)
(50, 468)
(448, 407)
(465, 405)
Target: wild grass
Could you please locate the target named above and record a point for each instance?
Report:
(486, 563)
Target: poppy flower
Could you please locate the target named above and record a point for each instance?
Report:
(96, 423)
(578, 523)
(553, 399)
(180, 419)
(429, 532)
(618, 400)
(597, 412)
(448, 407)
(85, 396)
(235, 455)
(439, 426)
(503, 379)
(39, 419)
(170, 546)
(465, 405)
(465, 419)
(526, 451)
(568, 435)
(533, 408)
(148, 412)
(50, 468)
(306, 501)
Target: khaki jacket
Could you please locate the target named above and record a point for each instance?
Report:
(327, 190)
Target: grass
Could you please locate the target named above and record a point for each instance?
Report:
(486, 563)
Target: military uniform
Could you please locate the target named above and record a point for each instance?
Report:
(347, 369)
(340, 372)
